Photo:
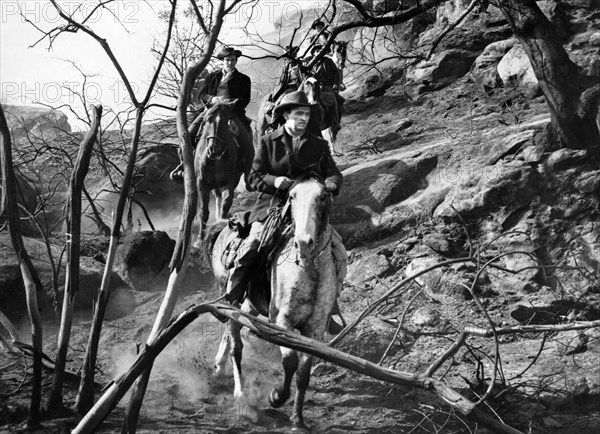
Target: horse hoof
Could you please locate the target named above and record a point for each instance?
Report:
(275, 400)
(299, 426)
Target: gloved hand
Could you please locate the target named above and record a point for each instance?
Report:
(331, 186)
(283, 182)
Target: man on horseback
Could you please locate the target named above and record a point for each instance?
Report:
(229, 86)
(319, 34)
(327, 72)
(282, 155)
(291, 75)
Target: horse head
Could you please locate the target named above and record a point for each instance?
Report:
(340, 51)
(312, 88)
(311, 204)
(216, 130)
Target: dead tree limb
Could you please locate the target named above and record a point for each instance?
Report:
(279, 336)
(8, 205)
(179, 260)
(74, 249)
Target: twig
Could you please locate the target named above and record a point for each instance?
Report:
(399, 326)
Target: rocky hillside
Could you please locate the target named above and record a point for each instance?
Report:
(445, 163)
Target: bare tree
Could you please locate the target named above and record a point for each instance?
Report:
(30, 277)
(71, 25)
(73, 254)
(211, 21)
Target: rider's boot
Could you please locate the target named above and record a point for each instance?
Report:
(332, 326)
(240, 274)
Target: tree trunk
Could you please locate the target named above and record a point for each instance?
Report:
(559, 78)
(85, 395)
(74, 247)
(31, 281)
(179, 260)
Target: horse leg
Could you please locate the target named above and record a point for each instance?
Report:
(302, 380)
(222, 353)
(226, 202)
(279, 395)
(205, 198)
(218, 200)
(203, 207)
(236, 357)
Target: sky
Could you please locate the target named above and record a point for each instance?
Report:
(34, 71)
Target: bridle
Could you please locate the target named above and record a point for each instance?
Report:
(214, 137)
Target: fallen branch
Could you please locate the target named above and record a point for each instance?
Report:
(279, 336)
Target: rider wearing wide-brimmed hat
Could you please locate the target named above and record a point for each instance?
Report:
(291, 74)
(226, 85)
(320, 35)
(326, 71)
(282, 155)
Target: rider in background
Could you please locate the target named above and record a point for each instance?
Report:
(228, 86)
(319, 34)
(291, 75)
(328, 74)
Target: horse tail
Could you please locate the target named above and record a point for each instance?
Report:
(210, 238)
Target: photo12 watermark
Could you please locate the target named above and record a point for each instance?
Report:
(37, 12)
(66, 92)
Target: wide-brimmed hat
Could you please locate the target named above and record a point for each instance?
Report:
(291, 100)
(316, 24)
(228, 51)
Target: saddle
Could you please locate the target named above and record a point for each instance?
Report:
(277, 229)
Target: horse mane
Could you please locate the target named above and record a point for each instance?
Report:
(213, 109)
(309, 174)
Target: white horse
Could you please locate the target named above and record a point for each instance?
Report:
(304, 286)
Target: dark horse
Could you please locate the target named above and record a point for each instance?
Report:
(304, 285)
(217, 162)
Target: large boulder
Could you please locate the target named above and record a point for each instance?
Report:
(484, 71)
(515, 71)
(371, 187)
(34, 131)
(143, 256)
(34, 121)
(510, 183)
(443, 68)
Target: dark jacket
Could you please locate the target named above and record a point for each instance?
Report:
(238, 85)
(275, 157)
(327, 72)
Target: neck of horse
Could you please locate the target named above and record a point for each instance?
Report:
(310, 95)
